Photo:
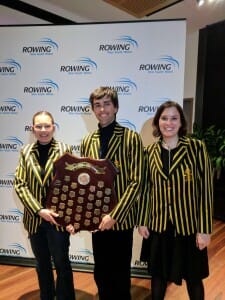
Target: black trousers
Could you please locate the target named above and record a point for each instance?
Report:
(112, 256)
(48, 244)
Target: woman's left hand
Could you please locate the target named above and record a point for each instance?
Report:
(202, 240)
(143, 231)
(70, 229)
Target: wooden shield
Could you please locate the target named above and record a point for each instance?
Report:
(82, 191)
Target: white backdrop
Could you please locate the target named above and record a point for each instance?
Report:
(55, 68)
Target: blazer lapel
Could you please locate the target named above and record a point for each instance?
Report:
(156, 152)
(95, 146)
(53, 155)
(32, 159)
(180, 153)
(115, 141)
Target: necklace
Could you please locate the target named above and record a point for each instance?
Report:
(170, 146)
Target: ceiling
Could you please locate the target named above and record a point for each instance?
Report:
(38, 12)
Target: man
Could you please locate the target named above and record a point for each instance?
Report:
(112, 243)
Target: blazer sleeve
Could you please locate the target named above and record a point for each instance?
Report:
(205, 180)
(133, 157)
(22, 189)
(144, 199)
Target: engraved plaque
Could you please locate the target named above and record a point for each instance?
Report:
(82, 191)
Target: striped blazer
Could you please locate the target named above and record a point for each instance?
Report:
(125, 150)
(29, 186)
(184, 196)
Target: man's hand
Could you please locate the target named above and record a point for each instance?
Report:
(48, 215)
(106, 223)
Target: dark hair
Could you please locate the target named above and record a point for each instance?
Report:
(155, 123)
(43, 113)
(103, 91)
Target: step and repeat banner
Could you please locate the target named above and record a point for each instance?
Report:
(55, 68)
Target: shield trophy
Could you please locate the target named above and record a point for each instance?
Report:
(82, 191)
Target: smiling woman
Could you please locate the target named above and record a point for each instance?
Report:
(176, 214)
(43, 127)
(33, 176)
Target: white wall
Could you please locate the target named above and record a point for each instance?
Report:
(190, 73)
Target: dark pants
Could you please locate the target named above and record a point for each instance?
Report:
(48, 244)
(112, 255)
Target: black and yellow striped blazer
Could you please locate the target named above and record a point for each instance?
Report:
(28, 183)
(185, 196)
(125, 150)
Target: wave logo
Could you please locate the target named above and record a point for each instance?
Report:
(10, 106)
(57, 127)
(7, 182)
(11, 143)
(83, 256)
(127, 123)
(124, 44)
(150, 110)
(45, 87)
(14, 249)
(9, 67)
(83, 107)
(124, 86)
(83, 65)
(13, 215)
(165, 64)
(45, 46)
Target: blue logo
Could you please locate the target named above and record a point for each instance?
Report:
(124, 86)
(150, 110)
(12, 144)
(83, 65)
(45, 87)
(165, 64)
(14, 249)
(13, 215)
(83, 107)
(170, 60)
(127, 123)
(46, 46)
(57, 127)
(83, 257)
(9, 67)
(10, 106)
(125, 44)
(7, 182)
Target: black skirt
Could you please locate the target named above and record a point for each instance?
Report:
(173, 257)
